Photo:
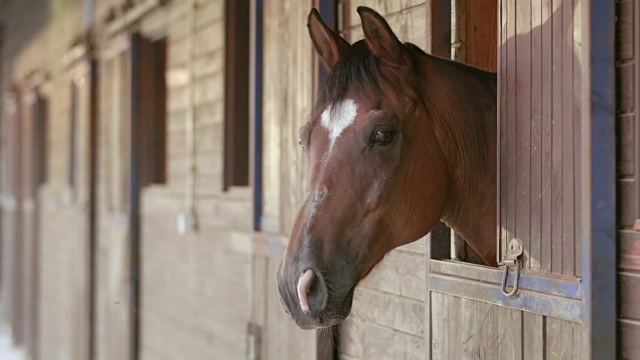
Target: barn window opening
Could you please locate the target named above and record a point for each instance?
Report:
(71, 176)
(236, 113)
(150, 111)
(40, 117)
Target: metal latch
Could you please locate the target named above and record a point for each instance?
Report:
(512, 260)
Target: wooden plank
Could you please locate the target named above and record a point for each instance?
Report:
(382, 343)
(272, 112)
(409, 267)
(480, 37)
(561, 308)
(535, 242)
(488, 331)
(511, 163)
(556, 142)
(533, 335)
(625, 133)
(523, 125)
(562, 339)
(568, 189)
(629, 348)
(599, 336)
(503, 124)
(385, 8)
(509, 341)
(629, 250)
(629, 296)
(578, 181)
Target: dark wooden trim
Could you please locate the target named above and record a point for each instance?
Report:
(236, 112)
(438, 19)
(134, 192)
(255, 106)
(599, 219)
(93, 176)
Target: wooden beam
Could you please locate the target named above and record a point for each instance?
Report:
(599, 170)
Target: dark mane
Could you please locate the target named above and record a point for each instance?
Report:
(357, 67)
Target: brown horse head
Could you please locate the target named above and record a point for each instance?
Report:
(379, 175)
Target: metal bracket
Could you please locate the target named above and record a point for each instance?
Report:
(512, 260)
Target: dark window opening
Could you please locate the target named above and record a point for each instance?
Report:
(150, 112)
(40, 115)
(73, 138)
(236, 117)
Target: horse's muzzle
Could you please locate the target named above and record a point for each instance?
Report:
(310, 299)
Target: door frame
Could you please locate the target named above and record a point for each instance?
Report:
(591, 299)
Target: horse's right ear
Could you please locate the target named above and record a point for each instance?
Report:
(329, 45)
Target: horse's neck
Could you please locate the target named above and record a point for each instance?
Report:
(463, 109)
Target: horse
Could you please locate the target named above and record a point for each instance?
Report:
(397, 141)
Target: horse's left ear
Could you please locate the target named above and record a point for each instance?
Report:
(378, 35)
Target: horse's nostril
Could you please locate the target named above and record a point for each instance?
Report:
(312, 292)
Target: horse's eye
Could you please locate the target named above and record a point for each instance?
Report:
(383, 137)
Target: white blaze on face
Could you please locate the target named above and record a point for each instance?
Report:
(339, 117)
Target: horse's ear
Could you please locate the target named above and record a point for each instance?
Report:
(378, 35)
(329, 45)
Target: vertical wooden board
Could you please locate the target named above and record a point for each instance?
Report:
(523, 124)
(568, 190)
(295, 76)
(546, 136)
(556, 142)
(510, 134)
(533, 330)
(510, 329)
(535, 248)
(271, 113)
(442, 320)
(487, 331)
(480, 24)
(562, 339)
(503, 124)
(577, 144)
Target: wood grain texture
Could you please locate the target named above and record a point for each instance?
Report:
(487, 331)
(629, 347)
(628, 168)
(540, 120)
(562, 339)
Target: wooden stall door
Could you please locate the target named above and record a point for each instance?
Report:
(132, 146)
(540, 102)
(113, 302)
